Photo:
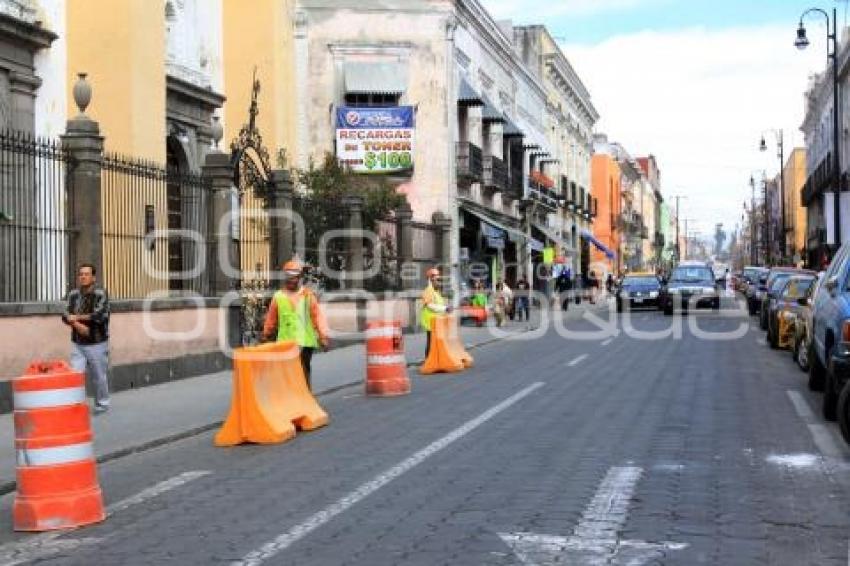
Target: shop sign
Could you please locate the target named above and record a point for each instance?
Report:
(375, 140)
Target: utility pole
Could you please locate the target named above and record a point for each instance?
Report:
(753, 253)
(678, 220)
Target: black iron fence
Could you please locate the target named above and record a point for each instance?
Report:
(34, 238)
(155, 229)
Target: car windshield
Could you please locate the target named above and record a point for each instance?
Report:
(779, 281)
(647, 281)
(797, 288)
(692, 275)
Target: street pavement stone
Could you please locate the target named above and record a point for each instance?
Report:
(701, 418)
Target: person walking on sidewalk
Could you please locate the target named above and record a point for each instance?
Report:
(295, 315)
(500, 301)
(87, 313)
(432, 303)
(522, 299)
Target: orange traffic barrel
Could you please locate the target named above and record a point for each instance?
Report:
(56, 470)
(386, 366)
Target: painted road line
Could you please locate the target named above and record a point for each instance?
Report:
(46, 544)
(578, 360)
(822, 436)
(801, 406)
(296, 533)
(156, 490)
(595, 539)
(608, 341)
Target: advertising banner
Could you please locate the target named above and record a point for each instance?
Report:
(375, 140)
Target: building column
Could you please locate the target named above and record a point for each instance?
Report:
(281, 192)
(444, 226)
(82, 140)
(355, 240)
(224, 265)
(404, 242)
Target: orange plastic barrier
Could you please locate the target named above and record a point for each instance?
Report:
(56, 474)
(386, 366)
(478, 315)
(447, 353)
(270, 397)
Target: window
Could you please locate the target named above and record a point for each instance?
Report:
(371, 99)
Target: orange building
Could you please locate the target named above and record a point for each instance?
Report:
(605, 187)
(794, 172)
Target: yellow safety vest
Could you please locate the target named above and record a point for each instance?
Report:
(430, 295)
(295, 323)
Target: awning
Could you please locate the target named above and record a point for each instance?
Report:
(489, 113)
(510, 130)
(514, 232)
(599, 245)
(536, 245)
(466, 95)
(550, 233)
(495, 237)
(375, 78)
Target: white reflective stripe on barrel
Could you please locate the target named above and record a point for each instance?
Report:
(383, 332)
(49, 398)
(385, 360)
(55, 455)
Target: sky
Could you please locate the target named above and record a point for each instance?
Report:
(694, 82)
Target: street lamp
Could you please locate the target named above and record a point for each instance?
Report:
(781, 154)
(802, 42)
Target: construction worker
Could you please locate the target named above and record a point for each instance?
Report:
(295, 314)
(432, 303)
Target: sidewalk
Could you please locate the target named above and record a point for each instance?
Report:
(143, 418)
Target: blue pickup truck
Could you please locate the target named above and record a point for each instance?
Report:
(829, 355)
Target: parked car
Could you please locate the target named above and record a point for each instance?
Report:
(829, 354)
(690, 284)
(786, 305)
(638, 290)
(756, 286)
(803, 327)
(775, 282)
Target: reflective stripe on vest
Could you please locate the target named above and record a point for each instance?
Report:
(295, 323)
(426, 315)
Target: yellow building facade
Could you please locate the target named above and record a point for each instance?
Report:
(794, 177)
(159, 72)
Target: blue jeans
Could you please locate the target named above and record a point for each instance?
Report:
(93, 359)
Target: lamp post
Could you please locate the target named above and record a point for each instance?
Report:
(801, 43)
(781, 154)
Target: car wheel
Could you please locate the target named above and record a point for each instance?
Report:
(763, 320)
(619, 306)
(716, 304)
(844, 412)
(830, 395)
(668, 311)
(817, 372)
(794, 349)
(803, 355)
(772, 338)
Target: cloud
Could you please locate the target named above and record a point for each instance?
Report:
(699, 101)
(519, 9)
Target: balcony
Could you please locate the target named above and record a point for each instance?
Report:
(644, 233)
(495, 174)
(470, 165)
(514, 190)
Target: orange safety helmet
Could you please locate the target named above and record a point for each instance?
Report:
(293, 268)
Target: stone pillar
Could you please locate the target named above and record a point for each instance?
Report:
(444, 249)
(280, 223)
(404, 242)
(354, 266)
(224, 264)
(84, 143)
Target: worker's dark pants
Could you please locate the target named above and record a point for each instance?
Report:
(427, 343)
(306, 358)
